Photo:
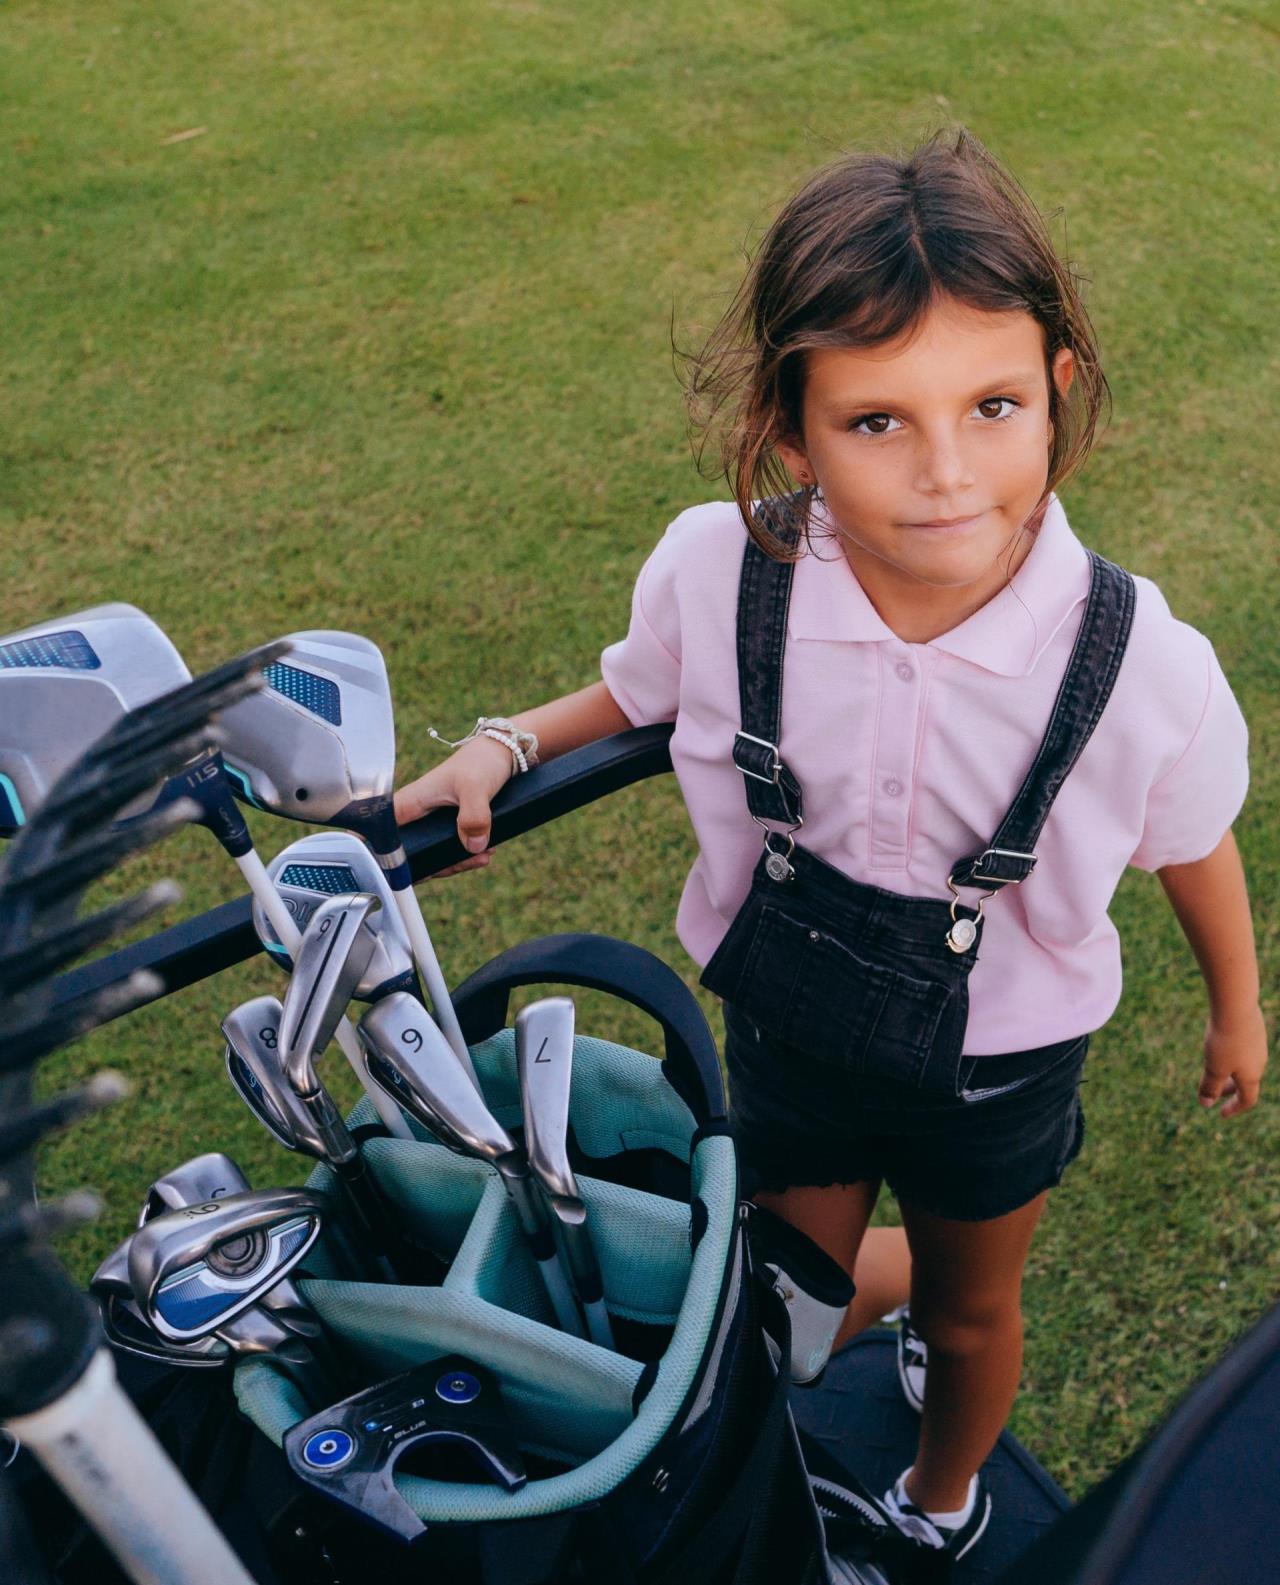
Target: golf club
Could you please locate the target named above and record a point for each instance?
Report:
(281, 1324)
(544, 1060)
(318, 744)
(196, 1268)
(209, 1177)
(335, 864)
(409, 1056)
(313, 1127)
(66, 682)
(59, 1394)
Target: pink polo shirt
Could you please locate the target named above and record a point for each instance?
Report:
(909, 755)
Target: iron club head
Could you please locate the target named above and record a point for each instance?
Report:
(331, 960)
(407, 1055)
(209, 1177)
(336, 864)
(255, 1065)
(194, 1269)
(544, 1062)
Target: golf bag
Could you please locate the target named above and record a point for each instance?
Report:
(675, 1457)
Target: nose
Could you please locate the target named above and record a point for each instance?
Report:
(944, 471)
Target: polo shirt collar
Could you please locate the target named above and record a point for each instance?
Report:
(1007, 636)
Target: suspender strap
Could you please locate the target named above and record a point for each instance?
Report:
(773, 793)
(764, 595)
(1086, 686)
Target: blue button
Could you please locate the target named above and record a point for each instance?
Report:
(328, 1449)
(373, 1425)
(458, 1386)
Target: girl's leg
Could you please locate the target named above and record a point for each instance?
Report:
(882, 1278)
(836, 1218)
(966, 1287)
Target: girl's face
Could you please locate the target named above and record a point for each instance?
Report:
(931, 452)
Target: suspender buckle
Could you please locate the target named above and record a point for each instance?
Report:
(977, 877)
(775, 767)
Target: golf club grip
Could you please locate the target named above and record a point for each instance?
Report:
(107, 1459)
(603, 963)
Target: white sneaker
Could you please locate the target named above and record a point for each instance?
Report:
(913, 1359)
(916, 1525)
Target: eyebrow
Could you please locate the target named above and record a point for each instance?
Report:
(873, 403)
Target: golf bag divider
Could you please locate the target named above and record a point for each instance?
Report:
(642, 1453)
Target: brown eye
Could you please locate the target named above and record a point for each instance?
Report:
(877, 424)
(998, 401)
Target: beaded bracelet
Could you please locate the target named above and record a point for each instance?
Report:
(523, 745)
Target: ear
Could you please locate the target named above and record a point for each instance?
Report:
(1063, 370)
(797, 463)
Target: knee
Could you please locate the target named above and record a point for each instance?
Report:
(969, 1327)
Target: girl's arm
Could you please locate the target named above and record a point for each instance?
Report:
(473, 774)
(1212, 904)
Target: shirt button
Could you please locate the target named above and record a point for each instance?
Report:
(893, 786)
(905, 671)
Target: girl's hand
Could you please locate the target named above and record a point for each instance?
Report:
(469, 778)
(1235, 1055)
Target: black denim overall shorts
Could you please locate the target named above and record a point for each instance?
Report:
(845, 1004)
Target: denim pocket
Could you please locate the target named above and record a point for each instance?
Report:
(807, 989)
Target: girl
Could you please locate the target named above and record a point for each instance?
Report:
(915, 718)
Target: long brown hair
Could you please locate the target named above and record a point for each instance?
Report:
(854, 259)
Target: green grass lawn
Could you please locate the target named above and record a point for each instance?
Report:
(385, 345)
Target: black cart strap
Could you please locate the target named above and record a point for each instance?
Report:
(1082, 696)
(623, 969)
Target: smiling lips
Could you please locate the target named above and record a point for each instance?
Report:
(951, 523)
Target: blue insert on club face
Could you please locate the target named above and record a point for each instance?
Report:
(317, 694)
(69, 651)
(192, 1300)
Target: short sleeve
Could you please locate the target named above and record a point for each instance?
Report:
(1194, 804)
(642, 671)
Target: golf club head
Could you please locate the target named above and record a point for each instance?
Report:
(63, 683)
(208, 1177)
(335, 864)
(318, 743)
(195, 1269)
(408, 1056)
(544, 1061)
(125, 1327)
(255, 1066)
(331, 961)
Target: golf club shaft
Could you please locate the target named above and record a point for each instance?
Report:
(587, 1285)
(429, 966)
(96, 1445)
(255, 872)
(534, 1223)
(375, 1234)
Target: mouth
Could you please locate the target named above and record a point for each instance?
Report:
(948, 525)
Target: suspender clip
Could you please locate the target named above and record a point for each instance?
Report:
(778, 865)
